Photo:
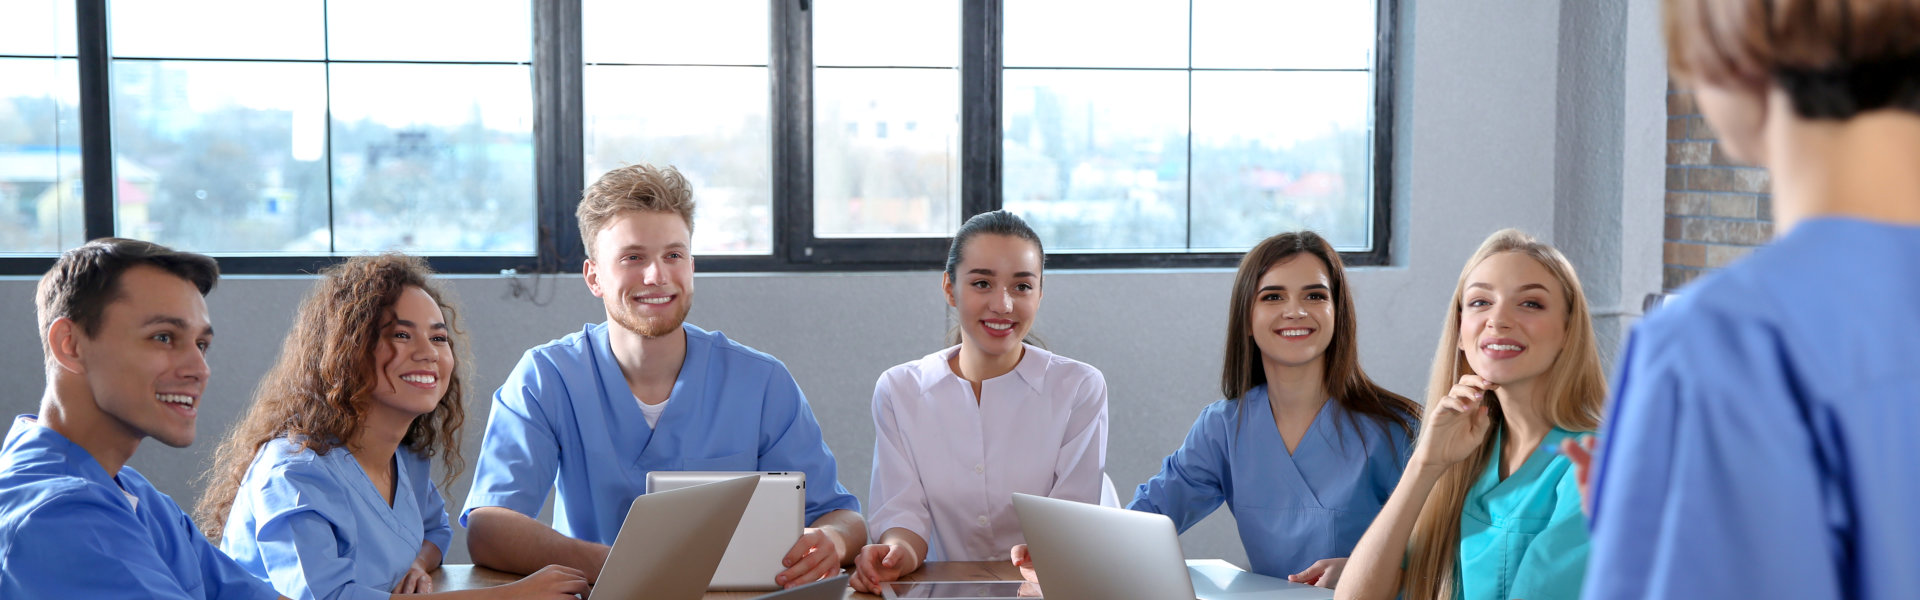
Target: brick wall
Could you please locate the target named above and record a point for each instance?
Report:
(1717, 210)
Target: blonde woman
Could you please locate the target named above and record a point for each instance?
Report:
(1485, 509)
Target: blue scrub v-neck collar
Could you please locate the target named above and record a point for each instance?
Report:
(402, 492)
(1262, 402)
(1529, 470)
(626, 407)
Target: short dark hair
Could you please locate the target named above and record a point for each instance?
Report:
(1834, 59)
(86, 279)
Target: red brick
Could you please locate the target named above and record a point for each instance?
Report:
(1719, 157)
(1722, 231)
(1674, 228)
(1681, 104)
(1689, 153)
(1677, 128)
(1751, 181)
(1676, 178)
(1720, 256)
(1685, 255)
(1673, 278)
(1700, 130)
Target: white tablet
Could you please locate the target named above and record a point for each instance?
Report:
(767, 531)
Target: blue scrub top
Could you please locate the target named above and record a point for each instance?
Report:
(67, 530)
(316, 527)
(1293, 509)
(1761, 440)
(566, 410)
(1524, 536)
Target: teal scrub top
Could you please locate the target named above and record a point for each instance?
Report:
(1526, 536)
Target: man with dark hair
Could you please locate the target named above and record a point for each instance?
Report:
(125, 330)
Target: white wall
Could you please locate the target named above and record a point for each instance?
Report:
(1496, 126)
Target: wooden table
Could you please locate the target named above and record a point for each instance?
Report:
(469, 577)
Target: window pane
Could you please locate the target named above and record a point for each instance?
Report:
(886, 33)
(710, 123)
(433, 159)
(1097, 160)
(1096, 33)
(449, 30)
(725, 32)
(40, 208)
(220, 157)
(1277, 152)
(37, 27)
(276, 29)
(1283, 34)
(886, 152)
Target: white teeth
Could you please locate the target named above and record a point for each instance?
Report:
(1293, 332)
(999, 326)
(1503, 347)
(419, 378)
(176, 398)
(659, 300)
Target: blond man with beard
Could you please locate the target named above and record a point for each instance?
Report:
(647, 391)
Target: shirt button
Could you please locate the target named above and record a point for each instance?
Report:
(983, 521)
(979, 468)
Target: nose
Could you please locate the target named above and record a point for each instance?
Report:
(423, 350)
(1003, 302)
(195, 367)
(1500, 317)
(1294, 311)
(653, 275)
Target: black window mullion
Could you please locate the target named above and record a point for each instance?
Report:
(790, 73)
(981, 41)
(96, 117)
(559, 145)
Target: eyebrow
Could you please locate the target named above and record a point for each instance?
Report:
(989, 272)
(174, 321)
(411, 324)
(633, 247)
(1489, 287)
(1282, 288)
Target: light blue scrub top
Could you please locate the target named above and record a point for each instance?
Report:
(67, 530)
(1761, 442)
(567, 410)
(1525, 536)
(1293, 509)
(317, 528)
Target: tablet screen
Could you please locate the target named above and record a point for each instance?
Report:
(953, 590)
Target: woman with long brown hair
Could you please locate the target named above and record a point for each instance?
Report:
(1485, 510)
(324, 487)
(1305, 448)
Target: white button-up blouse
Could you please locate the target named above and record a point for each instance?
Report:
(946, 467)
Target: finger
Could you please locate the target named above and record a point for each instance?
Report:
(1020, 555)
(801, 547)
(893, 557)
(799, 571)
(423, 584)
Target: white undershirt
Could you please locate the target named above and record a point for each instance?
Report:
(652, 411)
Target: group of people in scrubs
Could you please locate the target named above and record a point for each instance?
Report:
(1757, 443)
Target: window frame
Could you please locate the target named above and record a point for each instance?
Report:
(559, 155)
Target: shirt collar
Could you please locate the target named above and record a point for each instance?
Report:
(1032, 368)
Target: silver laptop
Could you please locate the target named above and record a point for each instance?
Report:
(1089, 552)
(767, 531)
(1083, 551)
(831, 588)
(671, 542)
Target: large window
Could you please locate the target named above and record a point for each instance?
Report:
(39, 129)
(822, 134)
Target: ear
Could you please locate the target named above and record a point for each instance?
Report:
(588, 272)
(946, 286)
(63, 344)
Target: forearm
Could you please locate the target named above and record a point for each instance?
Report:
(1373, 570)
(905, 538)
(428, 558)
(848, 530)
(505, 540)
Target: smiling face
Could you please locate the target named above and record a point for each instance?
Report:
(997, 293)
(642, 270)
(1291, 315)
(1513, 318)
(413, 358)
(147, 367)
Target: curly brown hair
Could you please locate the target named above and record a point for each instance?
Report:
(318, 392)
